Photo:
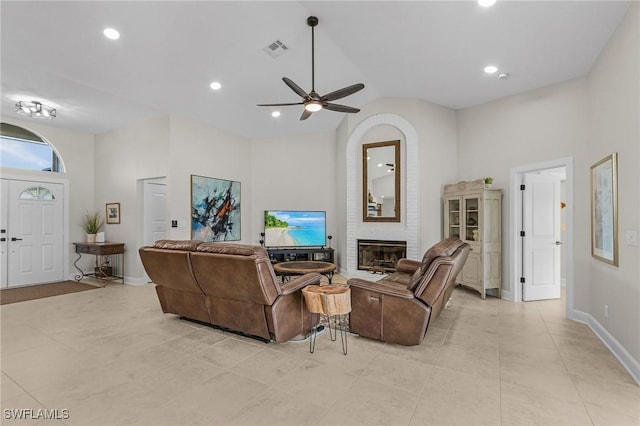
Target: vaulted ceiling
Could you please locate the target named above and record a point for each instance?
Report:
(169, 52)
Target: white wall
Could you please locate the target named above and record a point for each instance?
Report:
(614, 117)
(197, 149)
(122, 157)
(587, 119)
(294, 173)
(533, 127)
(168, 146)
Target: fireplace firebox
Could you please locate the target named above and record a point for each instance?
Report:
(380, 255)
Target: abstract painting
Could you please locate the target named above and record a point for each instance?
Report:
(215, 209)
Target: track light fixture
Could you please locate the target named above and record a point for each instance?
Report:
(35, 109)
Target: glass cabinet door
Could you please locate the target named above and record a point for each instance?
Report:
(453, 207)
(471, 219)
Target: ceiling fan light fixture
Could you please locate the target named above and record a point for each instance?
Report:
(313, 106)
(312, 101)
(35, 109)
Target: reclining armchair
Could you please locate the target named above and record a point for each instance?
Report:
(399, 308)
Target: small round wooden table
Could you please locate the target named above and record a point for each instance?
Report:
(300, 267)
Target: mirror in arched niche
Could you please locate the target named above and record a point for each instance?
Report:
(23, 149)
(382, 174)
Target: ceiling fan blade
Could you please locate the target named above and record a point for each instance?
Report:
(341, 93)
(295, 87)
(305, 114)
(285, 104)
(339, 108)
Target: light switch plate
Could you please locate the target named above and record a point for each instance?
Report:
(631, 237)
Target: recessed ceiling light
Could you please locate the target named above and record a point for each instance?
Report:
(503, 76)
(111, 33)
(379, 164)
(486, 3)
(275, 114)
(215, 85)
(490, 69)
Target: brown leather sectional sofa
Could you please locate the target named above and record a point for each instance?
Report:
(231, 286)
(399, 308)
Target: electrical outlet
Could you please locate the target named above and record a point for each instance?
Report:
(606, 311)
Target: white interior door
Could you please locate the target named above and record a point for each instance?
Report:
(541, 244)
(155, 210)
(34, 232)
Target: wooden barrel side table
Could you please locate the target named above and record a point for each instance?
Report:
(333, 302)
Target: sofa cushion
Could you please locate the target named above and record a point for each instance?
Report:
(232, 249)
(444, 248)
(186, 245)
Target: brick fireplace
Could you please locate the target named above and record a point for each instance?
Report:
(408, 228)
(380, 255)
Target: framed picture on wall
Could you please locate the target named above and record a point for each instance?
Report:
(604, 209)
(215, 209)
(113, 213)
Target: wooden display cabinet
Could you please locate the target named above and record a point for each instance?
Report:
(473, 214)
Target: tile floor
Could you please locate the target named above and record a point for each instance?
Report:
(110, 357)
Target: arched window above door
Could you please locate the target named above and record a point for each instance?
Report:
(23, 149)
(36, 193)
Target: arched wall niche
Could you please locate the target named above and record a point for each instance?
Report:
(408, 228)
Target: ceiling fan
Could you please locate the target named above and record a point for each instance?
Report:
(312, 101)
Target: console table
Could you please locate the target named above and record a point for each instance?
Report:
(101, 272)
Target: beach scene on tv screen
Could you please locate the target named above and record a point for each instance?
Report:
(294, 228)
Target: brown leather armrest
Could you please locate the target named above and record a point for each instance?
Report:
(407, 265)
(300, 282)
(381, 287)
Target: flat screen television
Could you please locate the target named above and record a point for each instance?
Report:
(293, 228)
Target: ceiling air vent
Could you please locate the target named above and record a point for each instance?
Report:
(276, 49)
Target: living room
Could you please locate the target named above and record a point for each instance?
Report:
(583, 119)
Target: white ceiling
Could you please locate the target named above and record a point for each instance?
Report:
(169, 53)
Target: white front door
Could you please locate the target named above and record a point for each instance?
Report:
(34, 232)
(4, 243)
(541, 243)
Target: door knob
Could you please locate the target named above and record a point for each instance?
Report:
(16, 239)
(558, 243)
(3, 239)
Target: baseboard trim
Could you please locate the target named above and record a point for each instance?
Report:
(625, 358)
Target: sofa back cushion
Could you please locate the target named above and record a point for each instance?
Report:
(186, 245)
(236, 272)
(444, 248)
(169, 268)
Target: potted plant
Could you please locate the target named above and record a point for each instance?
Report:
(91, 223)
(488, 181)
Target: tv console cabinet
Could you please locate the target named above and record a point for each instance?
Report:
(322, 254)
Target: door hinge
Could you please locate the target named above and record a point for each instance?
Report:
(522, 233)
(522, 280)
(521, 187)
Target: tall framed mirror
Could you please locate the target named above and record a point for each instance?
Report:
(381, 181)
